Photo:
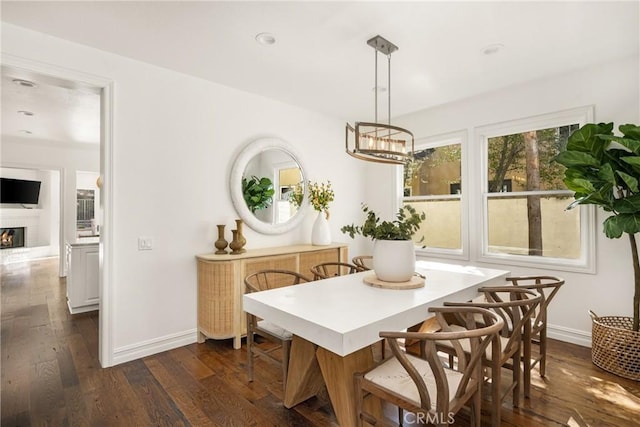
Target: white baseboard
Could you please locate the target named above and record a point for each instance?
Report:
(169, 342)
(157, 345)
(573, 336)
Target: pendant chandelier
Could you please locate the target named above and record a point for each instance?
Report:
(379, 142)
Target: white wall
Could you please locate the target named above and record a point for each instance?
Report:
(614, 90)
(174, 141)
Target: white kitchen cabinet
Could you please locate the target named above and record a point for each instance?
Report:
(83, 277)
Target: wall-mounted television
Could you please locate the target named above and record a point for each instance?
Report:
(19, 191)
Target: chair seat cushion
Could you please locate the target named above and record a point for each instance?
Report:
(274, 330)
(392, 376)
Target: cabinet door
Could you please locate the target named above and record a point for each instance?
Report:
(83, 279)
(278, 262)
(309, 259)
(216, 299)
(92, 276)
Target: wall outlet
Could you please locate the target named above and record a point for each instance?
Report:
(145, 243)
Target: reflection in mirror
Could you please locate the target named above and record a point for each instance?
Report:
(271, 176)
(265, 178)
(288, 180)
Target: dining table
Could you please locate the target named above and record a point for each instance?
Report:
(336, 321)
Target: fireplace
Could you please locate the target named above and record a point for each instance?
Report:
(12, 237)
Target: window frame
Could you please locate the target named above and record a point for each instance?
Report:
(449, 138)
(586, 263)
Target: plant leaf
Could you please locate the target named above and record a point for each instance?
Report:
(626, 223)
(612, 228)
(631, 144)
(606, 174)
(633, 161)
(630, 181)
(630, 131)
(629, 204)
(586, 139)
(580, 185)
(576, 159)
(602, 197)
(573, 204)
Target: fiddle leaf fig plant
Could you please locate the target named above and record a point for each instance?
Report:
(257, 192)
(406, 224)
(604, 170)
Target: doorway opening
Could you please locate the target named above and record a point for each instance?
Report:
(39, 147)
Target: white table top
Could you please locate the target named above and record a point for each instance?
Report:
(344, 314)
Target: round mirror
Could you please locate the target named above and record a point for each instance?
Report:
(267, 179)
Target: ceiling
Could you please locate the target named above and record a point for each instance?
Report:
(53, 109)
(321, 61)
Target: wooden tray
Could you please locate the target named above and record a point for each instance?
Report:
(414, 283)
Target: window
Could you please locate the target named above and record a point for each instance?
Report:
(501, 200)
(524, 216)
(433, 184)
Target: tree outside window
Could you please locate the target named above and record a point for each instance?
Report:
(526, 196)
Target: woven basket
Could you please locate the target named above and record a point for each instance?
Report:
(615, 346)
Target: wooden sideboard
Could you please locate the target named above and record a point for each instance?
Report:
(221, 283)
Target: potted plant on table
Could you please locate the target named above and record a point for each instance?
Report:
(394, 257)
(604, 170)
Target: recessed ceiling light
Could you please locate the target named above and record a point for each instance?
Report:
(28, 132)
(266, 39)
(492, 48)
(24, 83)
(25, 113)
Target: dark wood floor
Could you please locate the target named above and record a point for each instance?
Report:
(51, 376)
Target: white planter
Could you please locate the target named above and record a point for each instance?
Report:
(394, 260)
(321, 232)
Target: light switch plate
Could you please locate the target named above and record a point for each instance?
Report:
(145, 243)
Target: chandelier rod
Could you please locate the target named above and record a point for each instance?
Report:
(389, 89)
(375, 88)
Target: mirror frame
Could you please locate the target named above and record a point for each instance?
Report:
(235, 185)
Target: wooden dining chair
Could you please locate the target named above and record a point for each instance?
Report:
(332, 269)
(515, 306)
(426, 386)
(547, 287)
(363, 262)
(261, 281)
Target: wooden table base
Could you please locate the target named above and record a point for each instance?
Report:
(304, 379)
(312, 367)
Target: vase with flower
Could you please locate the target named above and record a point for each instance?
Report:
(320, 195)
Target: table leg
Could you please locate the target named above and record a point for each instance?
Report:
(304, 379)
(337, 372)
